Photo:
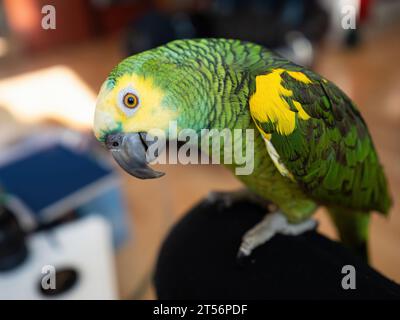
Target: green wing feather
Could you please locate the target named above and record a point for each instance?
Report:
(331, 155)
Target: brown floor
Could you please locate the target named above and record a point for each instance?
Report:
(370, 75)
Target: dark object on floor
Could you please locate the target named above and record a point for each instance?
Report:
(198, 261)
(13, 250)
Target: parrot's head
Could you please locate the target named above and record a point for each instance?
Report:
(142, 93)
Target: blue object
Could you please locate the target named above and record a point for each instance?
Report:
(50, 182)
(43, 178)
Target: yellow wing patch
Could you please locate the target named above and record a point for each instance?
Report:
(267, 104)
(300, 76)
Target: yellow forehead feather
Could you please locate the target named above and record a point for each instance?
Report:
(151, 112)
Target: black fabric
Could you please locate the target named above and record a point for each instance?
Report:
(198, 261)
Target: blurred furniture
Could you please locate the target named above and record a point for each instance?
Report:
(198, 261)
(292, 27)
(61, 207)
(73, 22)
(79, 253)
(76, 20)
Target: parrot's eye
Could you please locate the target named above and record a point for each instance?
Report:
(131, 100)
(128, 101)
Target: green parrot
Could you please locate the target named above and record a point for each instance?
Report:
(311, 145)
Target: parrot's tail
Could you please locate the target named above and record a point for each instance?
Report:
(352, 227)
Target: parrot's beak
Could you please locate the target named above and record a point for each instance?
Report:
(129, 150)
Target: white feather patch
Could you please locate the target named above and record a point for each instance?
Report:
(277, 161)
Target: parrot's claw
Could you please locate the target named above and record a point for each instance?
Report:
(272, 224)
(225, 199)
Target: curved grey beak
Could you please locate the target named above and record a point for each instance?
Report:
(129, 150)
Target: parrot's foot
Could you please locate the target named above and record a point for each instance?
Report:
(226, 199)
(272, 224)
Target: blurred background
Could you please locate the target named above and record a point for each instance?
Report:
(65, 204)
